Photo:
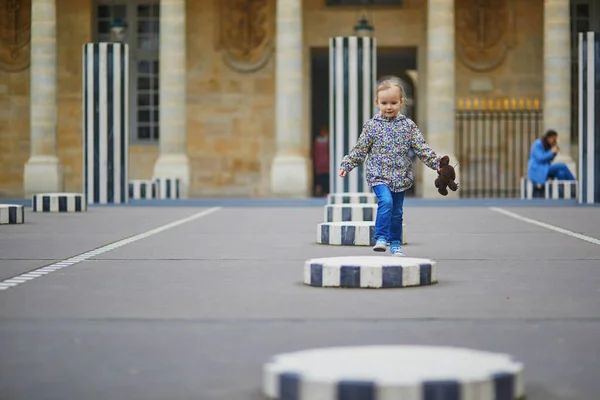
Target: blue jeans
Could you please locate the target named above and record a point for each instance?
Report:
(388, 223)
(561, 172)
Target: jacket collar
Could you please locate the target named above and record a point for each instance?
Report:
(398, 117)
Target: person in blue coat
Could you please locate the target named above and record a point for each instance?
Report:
(540, 168)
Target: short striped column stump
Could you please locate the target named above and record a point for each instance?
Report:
(350, 212)
(11, 214)
(168, 188)
(369, 272)
(140, 189)
(352, 198)
(393, 372)
(350, 233)
(59, 202)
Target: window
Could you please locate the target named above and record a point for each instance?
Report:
(142, 36)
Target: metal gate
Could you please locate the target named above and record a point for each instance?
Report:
(493, 142)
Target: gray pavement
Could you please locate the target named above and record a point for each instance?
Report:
(195, 311)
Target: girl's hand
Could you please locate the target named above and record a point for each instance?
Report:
(343, 172)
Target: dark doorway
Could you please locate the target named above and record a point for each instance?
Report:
(390, 61)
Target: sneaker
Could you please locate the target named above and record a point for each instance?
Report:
(380, 245)
(396, 250)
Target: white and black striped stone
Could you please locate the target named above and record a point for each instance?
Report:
(140, 189)
(106, 122)
(12, 214)
(352, 198)
(589, 117)
(369, 272)
(530, 190)
(393, 372)
(352, 233)
(58, 202)
(556, 190)
(168, 188)
(352, 69)
(350, 212)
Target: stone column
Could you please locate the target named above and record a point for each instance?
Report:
(557, 76)
(289, 170)
(440, 102)
(172, 160)
(43, 172)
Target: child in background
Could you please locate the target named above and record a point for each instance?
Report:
(387, 139)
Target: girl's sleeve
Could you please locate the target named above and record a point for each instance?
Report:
(361, 149)
(540, 154)
(422, 149)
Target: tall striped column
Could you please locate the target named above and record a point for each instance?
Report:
(105, 122)
(589, 117)
(352, 69)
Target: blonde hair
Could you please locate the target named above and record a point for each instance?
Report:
(388, 82)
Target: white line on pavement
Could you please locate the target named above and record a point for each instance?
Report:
(547, 226)
(28, 276)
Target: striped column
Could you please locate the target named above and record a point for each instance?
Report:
(105, 122)
(352, 69)
(589, 117)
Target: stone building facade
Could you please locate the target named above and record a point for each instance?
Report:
(222, 90)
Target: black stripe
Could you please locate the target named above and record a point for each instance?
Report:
(316, 274)
(360, 101)
(436, 390)
(12, 215)
(78, 203)
(86, 90)
(504, 386)
(348, 235)
(45, 203)
(325, 234)
(110, 139)
(350, 276)
(62, 204)
(142, 190)
(289, 386)
(177, 184)
(124, 129)
(561, 190)
(34, 202)
(329, 214)
(168, 183)
(356, 390)
(154, 190)
(346, 102)
(596, 151)
(584, 108)
(130, 189)
(96, 139)
(367, 214)
(346, 214)
(334, 163)
(391, 276)
(425, 274)
(372, 235)
(573, 191)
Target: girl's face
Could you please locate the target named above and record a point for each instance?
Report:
(389, 102)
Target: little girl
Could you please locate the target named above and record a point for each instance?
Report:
(387, 139)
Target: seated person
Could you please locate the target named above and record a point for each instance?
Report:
(540, 168)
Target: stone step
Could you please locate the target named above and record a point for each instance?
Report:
(393, 372)
(350, 212)
(352, 198)
(352, 233)
(59, 202)
(369, 272)
(12, 214)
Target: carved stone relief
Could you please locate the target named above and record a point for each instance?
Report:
(15, 34)
(484, 32)
(246, 31)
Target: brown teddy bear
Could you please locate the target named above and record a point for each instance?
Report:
(446, 177)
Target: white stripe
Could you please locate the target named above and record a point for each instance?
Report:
(333, 162)
(591, 94)
(89, 85)
(102, 106)
(353, 102)
(339, 108)
(547, 226)
(56, 266)
(126, 126)
(117, 122)
(580, 115)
